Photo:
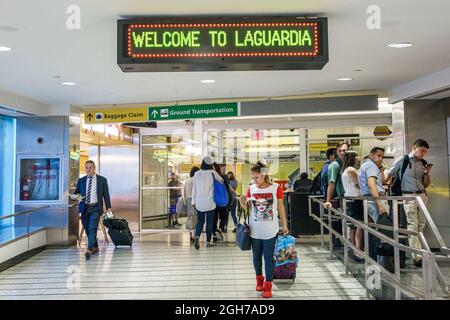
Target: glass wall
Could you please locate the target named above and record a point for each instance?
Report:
(7, 165)
(163, 156)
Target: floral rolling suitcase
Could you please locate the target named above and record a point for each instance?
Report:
(285, 258)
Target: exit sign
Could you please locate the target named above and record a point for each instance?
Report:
(242, 43)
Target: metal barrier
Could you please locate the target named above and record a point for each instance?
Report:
(26, 212)
(430, 269)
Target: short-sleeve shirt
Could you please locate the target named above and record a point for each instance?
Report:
(264, 213)
(412, 179)
(334, 176)
(369, 169)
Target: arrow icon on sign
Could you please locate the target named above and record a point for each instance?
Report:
(154, 113)
(89, 116)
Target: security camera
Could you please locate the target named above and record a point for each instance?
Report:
(291, 130)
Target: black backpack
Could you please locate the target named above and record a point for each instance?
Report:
(315, 185)
(396, 188)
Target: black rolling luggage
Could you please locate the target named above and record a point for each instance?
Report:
(119, 232)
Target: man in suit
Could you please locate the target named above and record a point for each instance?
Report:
(94, 189)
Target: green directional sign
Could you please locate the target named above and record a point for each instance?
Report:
(196, 111)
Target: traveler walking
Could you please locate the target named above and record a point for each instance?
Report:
(203, 199)
(191, 221)
(233, 183)
(266, 199)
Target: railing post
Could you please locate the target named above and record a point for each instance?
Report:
(344, 234)
(366, 245)
(321, 226)
(330, 227)
(398, 293)
(427, 275)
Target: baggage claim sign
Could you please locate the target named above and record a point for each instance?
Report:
(222, 44)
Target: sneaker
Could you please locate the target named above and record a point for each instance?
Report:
(219, 235)
(209, 244)
(196, 244)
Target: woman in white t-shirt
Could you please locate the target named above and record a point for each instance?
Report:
(266, 199)
(355, 209)
(187, 198)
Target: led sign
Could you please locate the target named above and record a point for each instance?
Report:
(199, 44)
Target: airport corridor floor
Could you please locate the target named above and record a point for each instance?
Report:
(158, 268)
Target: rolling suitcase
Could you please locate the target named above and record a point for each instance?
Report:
(119, 232)
(285, 258)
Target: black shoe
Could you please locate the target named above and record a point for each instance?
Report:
(196, 244)
(234, 230)
(214, 239)
(418, 264)
(88, 254)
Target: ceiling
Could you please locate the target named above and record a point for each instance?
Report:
(43, 48)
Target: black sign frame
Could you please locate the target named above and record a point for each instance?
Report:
(130, 62)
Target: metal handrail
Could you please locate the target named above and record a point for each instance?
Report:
(430, 222)
(24, 212)
(428, 258)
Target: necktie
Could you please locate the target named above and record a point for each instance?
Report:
(88, 193)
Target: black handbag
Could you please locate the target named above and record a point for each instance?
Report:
(243, 234)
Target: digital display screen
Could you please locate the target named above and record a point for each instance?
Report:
(224, 43)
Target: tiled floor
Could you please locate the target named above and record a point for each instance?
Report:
(164, 266)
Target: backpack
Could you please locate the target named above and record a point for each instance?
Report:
(220, 193)
(316, 185)
(396, 187)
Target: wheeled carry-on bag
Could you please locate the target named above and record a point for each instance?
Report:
(285, 258)
(119, 232)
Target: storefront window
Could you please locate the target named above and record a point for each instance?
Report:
(40, 179)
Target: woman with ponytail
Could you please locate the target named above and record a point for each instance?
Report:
(266, 199)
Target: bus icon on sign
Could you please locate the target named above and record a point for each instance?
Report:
(98, 116)
(164, 113)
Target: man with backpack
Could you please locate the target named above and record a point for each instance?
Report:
(411, 177)
(335, 189)
(319, 184)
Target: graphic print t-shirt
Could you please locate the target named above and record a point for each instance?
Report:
(264, 213)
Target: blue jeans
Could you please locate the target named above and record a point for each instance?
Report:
(233, 208)
(209, 216)
(264, 248)
(90, 218)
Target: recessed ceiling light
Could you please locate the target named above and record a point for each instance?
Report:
(400, 45)
(344, 79)
(207, 81)
(5, 49)
(68, 83)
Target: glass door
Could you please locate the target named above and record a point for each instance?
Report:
(165, 167)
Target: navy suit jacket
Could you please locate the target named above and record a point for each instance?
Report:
(102, 193)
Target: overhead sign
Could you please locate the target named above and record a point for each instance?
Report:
(217, 110)
(336, 139)
(382, 131)
(116, 115)
(232, 43)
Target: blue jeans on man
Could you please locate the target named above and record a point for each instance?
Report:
(90, 219)
(260, 248)
(209, 217)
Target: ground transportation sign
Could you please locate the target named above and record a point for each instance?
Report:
(226, 43)
(156, 113)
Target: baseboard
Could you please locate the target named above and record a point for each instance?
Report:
(20, 258)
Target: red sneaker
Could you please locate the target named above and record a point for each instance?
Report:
(267, 293)
(259, 283)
